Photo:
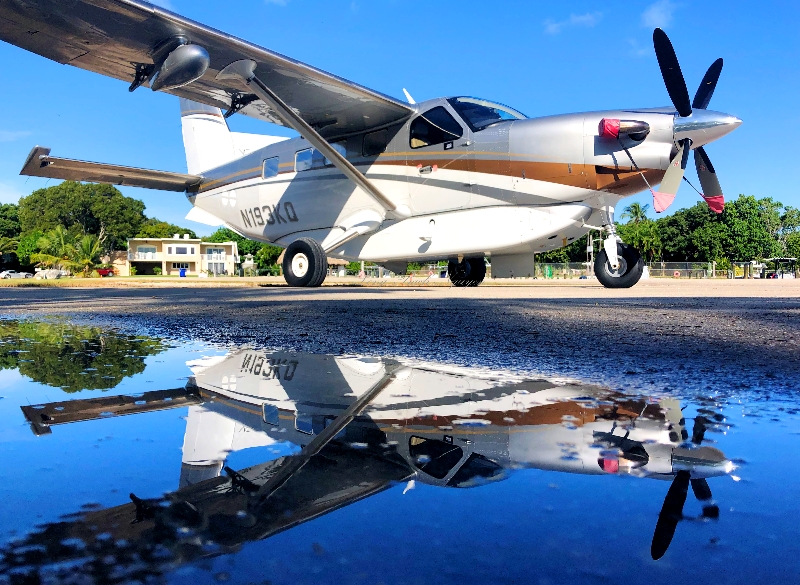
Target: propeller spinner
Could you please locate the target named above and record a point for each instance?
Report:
(695, 125)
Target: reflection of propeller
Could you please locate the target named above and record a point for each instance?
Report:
(672, 510)
(676, 87)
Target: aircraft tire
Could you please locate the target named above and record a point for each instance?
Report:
(305, 263)
(468, 272)
(631, 267)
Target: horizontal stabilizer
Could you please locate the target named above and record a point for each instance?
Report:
(41, 164)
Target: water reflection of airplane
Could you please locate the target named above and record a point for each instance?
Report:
(364, 424)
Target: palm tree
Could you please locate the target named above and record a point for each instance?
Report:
(54, 248)
(636, 212)
(85, 254)
(8, 245)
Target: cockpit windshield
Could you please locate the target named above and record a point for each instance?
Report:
(480, 114)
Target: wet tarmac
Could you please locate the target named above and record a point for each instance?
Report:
(276, 442)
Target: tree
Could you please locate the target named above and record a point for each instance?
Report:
(28, 245)
(54, 248)
(793, 245)
(85, 254)
(154, 228)
(267, 256)
(635, 212)
(9, 221)
(83, 208)
(224, 234)
(750, 222)
(98, 360)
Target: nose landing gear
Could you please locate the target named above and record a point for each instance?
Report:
(626, 274)
(468, 272)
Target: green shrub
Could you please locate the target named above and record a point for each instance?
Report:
(157, 270)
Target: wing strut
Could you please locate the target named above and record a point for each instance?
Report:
(244, 70)
(326, 436)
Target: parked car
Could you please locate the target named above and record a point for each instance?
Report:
(15, 274)
(105, 271)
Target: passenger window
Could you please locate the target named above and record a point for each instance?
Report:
(434, 457)
(435, 126)
(302, 159)
(270, 168)
(341, 148)
(375, 142)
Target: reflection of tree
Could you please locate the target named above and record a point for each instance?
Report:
(73, 357)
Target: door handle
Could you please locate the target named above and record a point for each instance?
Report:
(426, 170)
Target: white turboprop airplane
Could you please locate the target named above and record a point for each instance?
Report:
(372, 178)
(384, 422)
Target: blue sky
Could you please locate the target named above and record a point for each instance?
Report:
(539, 57)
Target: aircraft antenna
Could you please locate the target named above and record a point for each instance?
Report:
(408, 97)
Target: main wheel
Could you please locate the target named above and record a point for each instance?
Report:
(305, 263)
(626, 275)
(468, 272)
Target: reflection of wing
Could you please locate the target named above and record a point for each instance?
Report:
(114, 37)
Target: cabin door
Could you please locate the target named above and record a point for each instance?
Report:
(440, 162)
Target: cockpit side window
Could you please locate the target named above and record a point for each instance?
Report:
(480, 114)
(434, 457)
(435, 126)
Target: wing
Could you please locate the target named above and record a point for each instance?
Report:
(40, 164)
(117, 38)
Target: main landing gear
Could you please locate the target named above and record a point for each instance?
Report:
(468, 272)
(628, 271)
(305, 263)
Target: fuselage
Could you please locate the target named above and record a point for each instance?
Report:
(515, 186)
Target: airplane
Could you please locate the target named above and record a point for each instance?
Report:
(362, 425)
(371, 177)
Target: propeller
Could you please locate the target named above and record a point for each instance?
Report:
(672, 509)
(676, 87)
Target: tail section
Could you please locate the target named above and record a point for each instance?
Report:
(206, 138)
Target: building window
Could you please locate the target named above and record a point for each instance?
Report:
(270, 168)
(181, 250)
(169, 249)
(146, 253)
(180, 265)
(434, 127)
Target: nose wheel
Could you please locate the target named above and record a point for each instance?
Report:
(626, 274)
(468, 272)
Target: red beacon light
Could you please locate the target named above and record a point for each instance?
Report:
(614, 128)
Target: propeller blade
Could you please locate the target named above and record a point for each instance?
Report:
(671, 513)
(665, 195)
(701, 490)
(671, 72)
(712, 191)
(707, 86)
(699, 429)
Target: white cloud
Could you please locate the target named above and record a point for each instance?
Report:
(588, 20)
(658, 14)
(12, 135)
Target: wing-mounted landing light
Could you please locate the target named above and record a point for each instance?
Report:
(693, 121)
(176, 62)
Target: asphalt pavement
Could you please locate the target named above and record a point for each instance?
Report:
(692, 337)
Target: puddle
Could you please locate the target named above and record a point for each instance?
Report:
(128, 459)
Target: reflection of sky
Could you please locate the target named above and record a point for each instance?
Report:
(534, 527)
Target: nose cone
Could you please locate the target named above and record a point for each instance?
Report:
(704, 126)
